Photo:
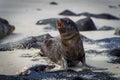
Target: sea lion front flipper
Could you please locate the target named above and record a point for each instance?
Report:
(64, 63)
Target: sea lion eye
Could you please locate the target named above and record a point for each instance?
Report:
(59, 24)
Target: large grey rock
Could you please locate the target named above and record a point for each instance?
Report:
(86, 24)
(5, 28)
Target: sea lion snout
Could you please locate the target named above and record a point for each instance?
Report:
(59, 24)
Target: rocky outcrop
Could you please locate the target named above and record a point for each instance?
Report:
(106, 28)
(5, 28)
(102, 16)
(117, 31)
(67, 13)
(86, 24)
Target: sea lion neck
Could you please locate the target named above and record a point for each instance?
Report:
(69, 35)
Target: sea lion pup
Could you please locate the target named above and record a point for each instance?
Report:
(68, 50)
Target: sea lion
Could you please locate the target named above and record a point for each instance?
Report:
(5, 28)
(68, 50)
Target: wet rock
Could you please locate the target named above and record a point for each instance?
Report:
(36, 68)
(67, 13)
(50, 21)
(115, 52)
(69, 75)
(115, 56)
(117, 31)
(30, 42)
(53, 3)
(102, 16)
(86, 24)
(5, 28)
(106, 28)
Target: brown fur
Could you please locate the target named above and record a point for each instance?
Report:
(68, 50)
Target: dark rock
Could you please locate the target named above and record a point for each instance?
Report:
(117, 31)
(67, 13)
(5, 28)
(115, 52)
(106, 28)
(115, 56)
(102, 16)
(119, 5)
(68, 75)
(53, 3)
(86, 24)
(30, 42)
(50, 21)
(112, 6)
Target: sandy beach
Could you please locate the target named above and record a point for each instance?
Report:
(25, 13)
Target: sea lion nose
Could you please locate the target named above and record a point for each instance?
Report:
(59, 24)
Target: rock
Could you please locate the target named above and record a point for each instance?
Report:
(50, 21)
(102, 16)
(53, 3)
(67, 13)
(112, 6)
(30, 42)
(117, 31)
(36, 68)
(5, 28)
(115, 52)
(106, 28)
(86, 24)
(119, 5)
(115, 56)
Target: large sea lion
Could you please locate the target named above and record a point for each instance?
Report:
(68, 50)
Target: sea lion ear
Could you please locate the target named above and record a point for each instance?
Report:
(59, 24)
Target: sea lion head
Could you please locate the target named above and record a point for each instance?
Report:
(11, 29)
(66, 25)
